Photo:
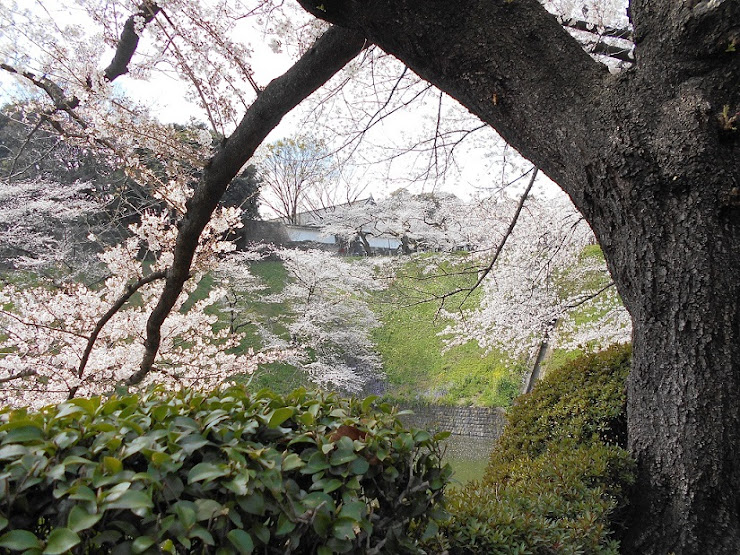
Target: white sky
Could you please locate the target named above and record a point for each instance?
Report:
(478, 166)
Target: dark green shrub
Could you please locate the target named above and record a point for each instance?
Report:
(555, 481)
(219, 473)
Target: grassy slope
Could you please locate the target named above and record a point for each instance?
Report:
(416, 365)
(280, 377)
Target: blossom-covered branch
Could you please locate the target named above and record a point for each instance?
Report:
(329, 54)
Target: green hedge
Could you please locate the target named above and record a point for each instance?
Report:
(224, 472)
(556, 479)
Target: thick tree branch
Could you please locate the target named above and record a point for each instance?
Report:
(129, 40)
(331, 52)
(497, 58)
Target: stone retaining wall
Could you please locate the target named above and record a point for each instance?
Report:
(466, 421)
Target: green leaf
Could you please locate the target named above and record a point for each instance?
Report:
(207, 471)
(132, 499)
(13, 451)
(261, 532)
(24, 434)
(291, 462)
(207, 508)
(82, 493)
(279, 416)
(421, 435)
(342, 456)
(3, 522)
(316, 463)
(65, 439)
(159, 458)
(202, 534)
(430, 531)
(67, 409)
(186, 511)
(285, 525)
(60, 541)
(332, 485)
(19, 540)
(359, 466)
(79, 519)
(344, 529)
(316, 498)
(354, 510)
(242, 541)
(254, 504)
(367, 403)
(141, 544)
(112, 465)
(322, 524)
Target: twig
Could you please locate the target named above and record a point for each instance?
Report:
(18, 376)
(130, 290)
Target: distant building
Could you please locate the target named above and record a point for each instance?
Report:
(307, 232)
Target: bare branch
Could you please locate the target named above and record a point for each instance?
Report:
(506, 236)
(585, 298)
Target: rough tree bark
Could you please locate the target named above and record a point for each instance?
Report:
(651, 157)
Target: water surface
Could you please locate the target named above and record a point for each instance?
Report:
(468, 457)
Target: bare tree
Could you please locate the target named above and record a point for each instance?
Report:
(293, 173)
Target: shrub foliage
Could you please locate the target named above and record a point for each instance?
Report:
(556, 479)
(224, 472)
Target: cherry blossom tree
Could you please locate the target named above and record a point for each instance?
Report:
(73, 339)
(548, 283)
(327, 316)
(41, 223)
(646, 151)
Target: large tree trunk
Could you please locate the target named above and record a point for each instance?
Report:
(674, 251)
(651, 157)
(663, 197)
(683, 408)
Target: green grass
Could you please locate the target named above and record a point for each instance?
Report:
(412, 350)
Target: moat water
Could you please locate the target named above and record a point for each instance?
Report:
(468, 457)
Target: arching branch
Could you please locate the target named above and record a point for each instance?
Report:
(331, 52)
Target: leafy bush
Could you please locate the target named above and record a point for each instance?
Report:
(555, 481)
(225, 472)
